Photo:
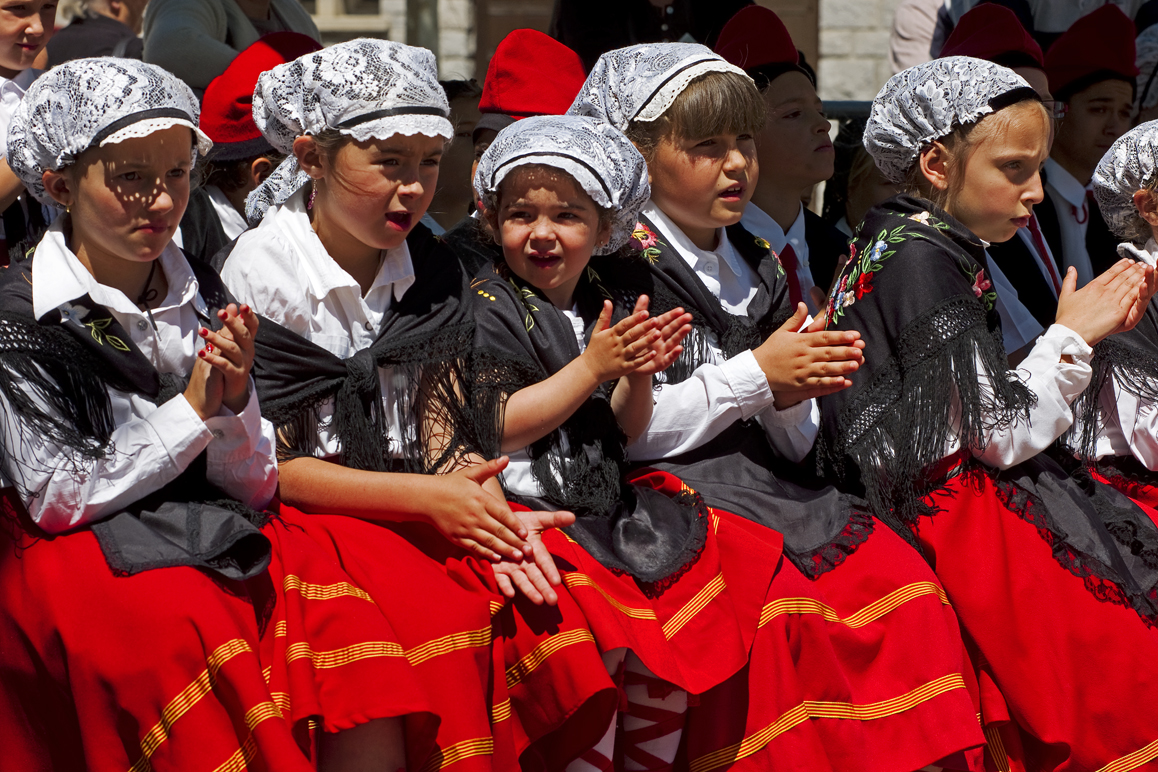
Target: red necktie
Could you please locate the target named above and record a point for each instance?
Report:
(1039, 242)
(789, 261)
(1083, 216)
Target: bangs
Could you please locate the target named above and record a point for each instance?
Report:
(714, 103)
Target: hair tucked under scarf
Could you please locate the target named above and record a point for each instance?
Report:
(94, 102)
(365, 89)
(928, 101)
(598, 156)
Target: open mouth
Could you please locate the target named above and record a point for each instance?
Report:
(399, 220)
(544, 261)
(733, 193)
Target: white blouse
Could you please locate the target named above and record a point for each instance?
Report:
(282, 270)
(721, 391)
(151, 445)
(760, 223)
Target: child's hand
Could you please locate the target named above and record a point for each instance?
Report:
(620, 350)
(204, 390)
(809, 363)
(230, 352)
(673, 327)
(534, 578)
(473, 518)
(1114, 301)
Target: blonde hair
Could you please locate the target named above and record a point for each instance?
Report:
(714, 103)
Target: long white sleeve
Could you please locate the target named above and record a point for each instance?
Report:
(1131, 425)
(1056, 383)
(241, 460)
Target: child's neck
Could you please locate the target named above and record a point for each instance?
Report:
(561, 297)
(352, 256)
(781, 205)
(131, 277)
(1080, 171)
(706, 239)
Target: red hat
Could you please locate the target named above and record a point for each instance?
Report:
(531, 74)
(227, 107)
(755, 37)
(1099, 43)
(994, 33)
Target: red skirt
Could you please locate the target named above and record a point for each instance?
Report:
(514, 684)
(862, 669)
(173, 669)
(1077, 674)
(1140, 491)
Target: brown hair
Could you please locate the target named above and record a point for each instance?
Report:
(961, 144)
(714, 103)
(535, 172)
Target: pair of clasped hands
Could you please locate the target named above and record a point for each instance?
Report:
(800, 363)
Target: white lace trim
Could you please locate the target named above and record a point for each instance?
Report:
(406, 125)
(597, 156)
(667, 95)
(151, 125)
(926, 102)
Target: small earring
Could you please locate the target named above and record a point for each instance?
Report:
(313, 195)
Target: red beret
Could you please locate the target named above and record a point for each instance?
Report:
(754, 37)
(1102, 41)
(531, 74)
(227, 107)
(990, 32)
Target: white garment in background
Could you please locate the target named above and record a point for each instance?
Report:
(151, 444)
(285, 274)
(232, 221)
(722, 391)
(11, 92)
(760, 223)
(432, 223)
(1069, 196)
(1018, 327)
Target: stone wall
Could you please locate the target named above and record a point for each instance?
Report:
(854, 47)
(456, 39)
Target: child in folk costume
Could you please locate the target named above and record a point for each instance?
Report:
(1046, 572)
(1117, 423)
(733, 411)
(359, 360)
(151, 616)
(794, 141)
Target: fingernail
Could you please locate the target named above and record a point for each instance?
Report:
(201, 353)
(204, 332)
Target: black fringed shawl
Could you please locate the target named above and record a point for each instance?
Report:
(738, 470)
(917, 290)
(70, 364)
(425, 338)
(522, 339)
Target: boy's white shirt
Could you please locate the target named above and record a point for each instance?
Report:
(759, 223)
(1069, 195)
(151, 444)
(11, 92)
(232, 221)
(282, 270)
(1018, 327)
(721, 391)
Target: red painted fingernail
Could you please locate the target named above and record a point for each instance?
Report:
(201, 353)
(204, 332)
(209, 348)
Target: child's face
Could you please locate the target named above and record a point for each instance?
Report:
(704, 184)
(25, 27)
(377, 191)
(794, 141)
(127, 198)
(549, 228)
(1002, 179)
(1096, 117)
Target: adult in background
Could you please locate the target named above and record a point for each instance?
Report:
(197, 39)
(104, 28)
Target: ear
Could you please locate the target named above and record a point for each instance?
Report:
(260, 170)
(934, 161)
(309, 156)
(59, 187)
(603, 238)
(1147, 205)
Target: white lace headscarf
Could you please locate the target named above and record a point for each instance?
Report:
(599, 157)
(1127, 167)
(1146, 92)
(640, 83)
(94, 102)
(365, 89)
(930, 100)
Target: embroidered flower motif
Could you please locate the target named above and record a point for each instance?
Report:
(981, 284)
(763, 243)
(878, 250)
(862, 265)
(922, 218)
(644, 241)
(70, 314)
(74, 314)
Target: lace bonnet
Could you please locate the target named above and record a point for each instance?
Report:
(94, 102)
(1127, 167)
(640, 83)
(365, 89)
(599, 158)
(930, 100)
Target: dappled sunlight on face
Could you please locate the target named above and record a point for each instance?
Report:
(127, 199)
